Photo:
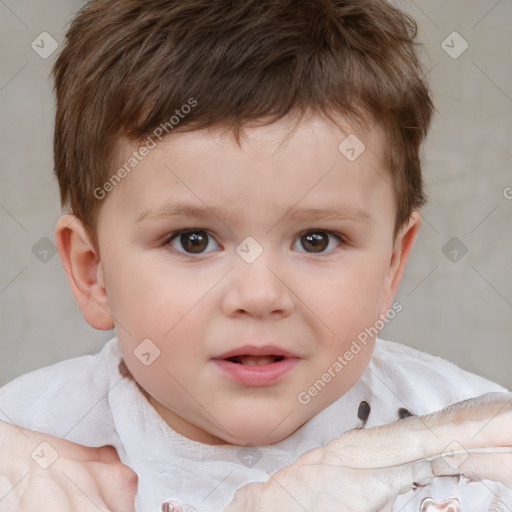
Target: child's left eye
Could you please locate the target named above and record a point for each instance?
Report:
(318, 243)
(195, 241)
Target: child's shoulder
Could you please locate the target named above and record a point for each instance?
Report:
(397, 353)
(429, 381)
(63, 399)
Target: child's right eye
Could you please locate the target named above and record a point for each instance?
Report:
(194, 241)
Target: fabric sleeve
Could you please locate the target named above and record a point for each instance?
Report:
(66, 400)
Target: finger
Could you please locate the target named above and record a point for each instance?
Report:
(32, 440)
(171, 506)
(486, 420)
(496, 467)
(9, 501)
(62, 448)
(475, 423)
(117, 484)
(390, 482)
(371, 490)
(331, 488)
(91, 486)
(106, 454)
(67, 492)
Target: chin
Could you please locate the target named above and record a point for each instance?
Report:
(250, 438)
(261, 433)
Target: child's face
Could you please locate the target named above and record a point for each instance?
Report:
(202, 296)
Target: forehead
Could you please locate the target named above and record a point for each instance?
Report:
(274, 167)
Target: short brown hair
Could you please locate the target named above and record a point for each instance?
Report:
(128, 65)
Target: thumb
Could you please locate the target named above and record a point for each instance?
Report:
(494, 464)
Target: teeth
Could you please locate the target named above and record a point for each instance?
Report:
(257, 360)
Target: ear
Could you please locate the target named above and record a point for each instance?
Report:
(84, 271)
(401, 249)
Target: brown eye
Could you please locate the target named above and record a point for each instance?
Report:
(317, 241)
(193, 242)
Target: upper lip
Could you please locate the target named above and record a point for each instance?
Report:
(252, 350)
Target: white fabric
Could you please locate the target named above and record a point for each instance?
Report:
(86, 400)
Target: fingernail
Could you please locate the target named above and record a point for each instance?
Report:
(171, 506)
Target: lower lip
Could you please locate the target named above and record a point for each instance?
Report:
(257, 375)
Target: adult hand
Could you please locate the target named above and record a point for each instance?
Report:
(365, 470)
(41, 473)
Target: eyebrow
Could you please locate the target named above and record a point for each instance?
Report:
(187, 210)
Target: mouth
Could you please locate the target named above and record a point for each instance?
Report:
(255, 360)
(252, 355)
(256, 366)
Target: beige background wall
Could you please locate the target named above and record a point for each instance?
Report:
(455, 305)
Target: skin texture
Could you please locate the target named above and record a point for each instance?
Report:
(79, 479)
(194, 307)
(364, 470)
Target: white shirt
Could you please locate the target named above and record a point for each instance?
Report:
(86, 400)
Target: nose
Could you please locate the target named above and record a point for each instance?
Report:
(258, 288)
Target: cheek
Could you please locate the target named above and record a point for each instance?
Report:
(159, 365)
(339, 372)
(150, 301)
(351, 295)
